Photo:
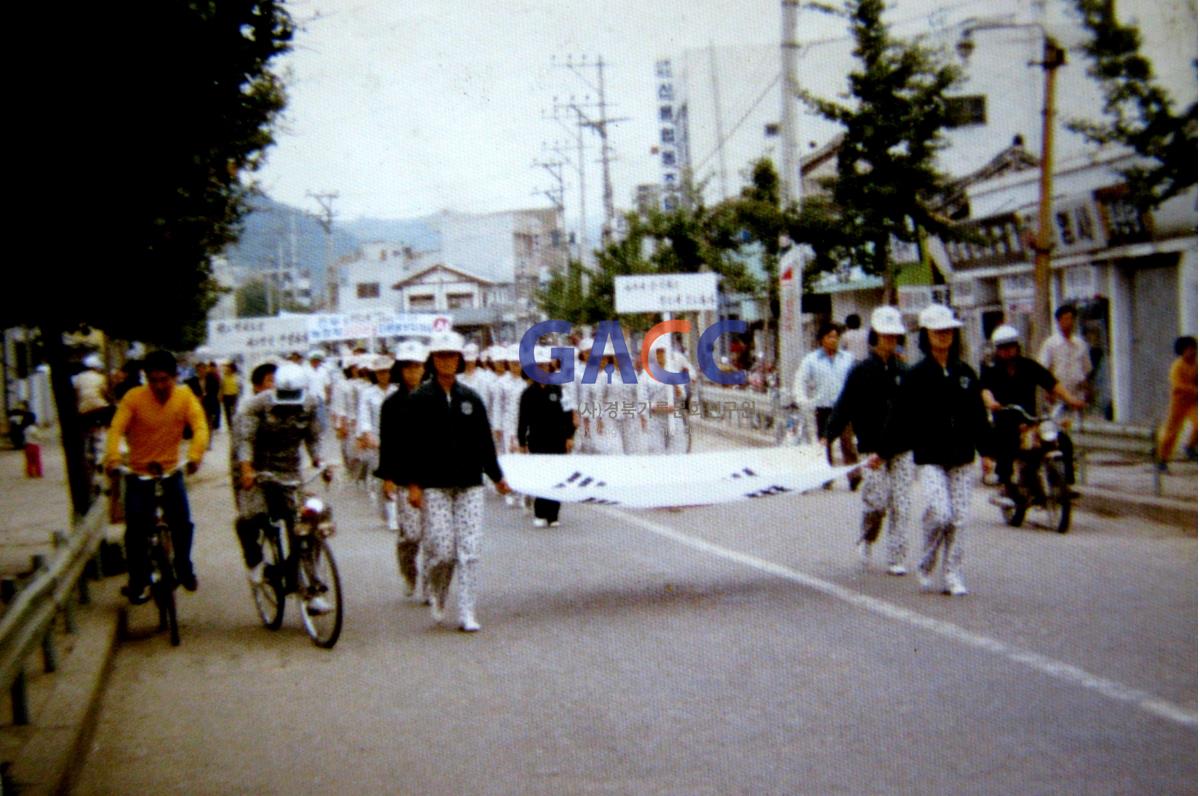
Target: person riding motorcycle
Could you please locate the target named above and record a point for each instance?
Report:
(1013, 379)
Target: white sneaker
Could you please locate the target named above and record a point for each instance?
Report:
(318, 605)
(540, 523)
(554, 524)
(1002, 501)
(255, 573)
(864, 553)
(926, 582)
(436, 610)
(469, 625)
(954, 585)
(897, 569)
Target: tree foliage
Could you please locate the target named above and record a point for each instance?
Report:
(173, 103)
(1141, 114)
(887, 177)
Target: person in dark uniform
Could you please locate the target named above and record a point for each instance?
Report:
(544, 426)
(450, 427)
(1014, 379)
(942, 411)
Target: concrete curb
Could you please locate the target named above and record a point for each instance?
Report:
(1099, 500)
(54, 754)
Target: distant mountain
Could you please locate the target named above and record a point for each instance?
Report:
(419, 233)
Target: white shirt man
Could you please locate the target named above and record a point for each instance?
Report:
(1066, 354)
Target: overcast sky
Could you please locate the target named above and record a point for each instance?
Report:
(408, 107)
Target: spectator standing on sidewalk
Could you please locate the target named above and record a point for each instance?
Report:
(1067, 355)
(450, 425)
(1183, 402)
(941, 407)
(869, 402)
(231, 391)
(854, 338)
(819, 382)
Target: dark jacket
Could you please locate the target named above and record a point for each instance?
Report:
(869, 402)
(942, 412)
(395, 436)
(1019, 387)
(451, 440)
(542, 424)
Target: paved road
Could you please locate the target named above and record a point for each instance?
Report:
(728, 649)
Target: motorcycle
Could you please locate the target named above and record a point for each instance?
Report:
(1039, 477)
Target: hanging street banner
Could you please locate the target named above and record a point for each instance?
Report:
(666, 292)
(293, 332)
(692, 479)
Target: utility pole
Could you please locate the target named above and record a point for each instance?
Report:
(581, 172)
(716, 91)
(1053, 56)
(325, 200)
(793, 188)
(599, 123)
(556, 195)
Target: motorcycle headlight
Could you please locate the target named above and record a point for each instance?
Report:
(313, 508)
(1048, 431)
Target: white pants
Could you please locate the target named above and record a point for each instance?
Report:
(947, 494)
(453, 533)
(887, 492)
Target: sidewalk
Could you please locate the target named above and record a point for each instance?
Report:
(1114, 486)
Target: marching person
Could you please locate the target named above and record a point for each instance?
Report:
(942, 411)
(664, 403)
(868, 402)
(395, 448)
(544, 425)
(366, 428)
(272, 427)
(450, 426)
(587, 398)
(320, 384)
(818, 383)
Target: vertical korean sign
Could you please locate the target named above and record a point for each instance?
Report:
(669, 152)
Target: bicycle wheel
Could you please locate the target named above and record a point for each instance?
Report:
(1058, 501)
(162, 586)
(269, 594)
(318, 581)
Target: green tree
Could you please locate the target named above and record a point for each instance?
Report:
(147, 135)
(886, 172)
(1141, 114)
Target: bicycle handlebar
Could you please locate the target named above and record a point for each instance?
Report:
(125, 469)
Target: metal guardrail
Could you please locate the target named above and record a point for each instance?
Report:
(28, 622)
(1101, 436)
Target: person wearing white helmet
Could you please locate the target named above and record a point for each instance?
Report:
(1014, 379)
(92, 398)
(473, 376)
(341, 407)
(450, 427)
(869, 403)
(511, 385)
(366, 425)
(395, 449)
(544, 425)
(320, 383)
(942, 412)
(607, 393)
(272, 427)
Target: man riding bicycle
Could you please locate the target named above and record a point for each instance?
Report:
(152, 419)
(272, 427)
(1014, 379)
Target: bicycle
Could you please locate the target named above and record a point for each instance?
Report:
(160, 552)
(298, 559)
(1039, 474)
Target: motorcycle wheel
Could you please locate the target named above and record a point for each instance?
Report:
(1058, 499)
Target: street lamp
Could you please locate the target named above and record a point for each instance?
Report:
(1053, 56)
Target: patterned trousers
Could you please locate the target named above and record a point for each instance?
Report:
(947, 496)
(453, 533)
(887, 492)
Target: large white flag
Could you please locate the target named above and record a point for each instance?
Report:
(692, 479)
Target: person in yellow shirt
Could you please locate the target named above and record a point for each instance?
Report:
(1183, 402)
(151, 418)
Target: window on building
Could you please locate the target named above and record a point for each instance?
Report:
(368, 290)
(460, 301)
(421, 303)
(966, 111)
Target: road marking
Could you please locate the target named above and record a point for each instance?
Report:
(1036, 661)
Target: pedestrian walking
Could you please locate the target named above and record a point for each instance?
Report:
(544, 425)
(819, 382)
(1067, 355)
(231, 391)
(366, 427)
(942, 411)
(396, 452)
(1182, 407)
(869, 402)
(450, 426)
(664, 405)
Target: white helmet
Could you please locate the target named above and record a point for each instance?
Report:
(291, 384)
(1005, 334)
(380, 362)
(542, 355)
(887, 320)
(93, 361)
(411, 351)
(471, 351)
(512, 353)
(938, 317)
(445, 342)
